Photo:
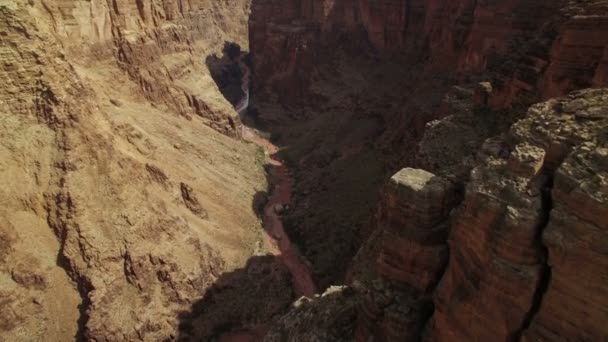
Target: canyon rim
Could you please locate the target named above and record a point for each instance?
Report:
(303, 170)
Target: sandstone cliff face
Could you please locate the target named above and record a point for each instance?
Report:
(117, 213)
(412, 228)
(307, 54)
(577, 231)
(524, 248)
(162, 45)
(503, 278)
(502, 281)
(532, 47)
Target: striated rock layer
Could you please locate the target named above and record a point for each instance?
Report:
(457, 73)
(498, 266)
(412, 228)
(537, 49)
(577, 232)
(524, 254)
(473, 68)
(161, 45)
(509, 236)
(120, 208)
(511, 239)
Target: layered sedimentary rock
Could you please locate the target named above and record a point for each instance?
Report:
(499, 283)
(162, 45)
(526, 245)
(411, 258)
(566, 53)
(496, 264)
(577, 232)
(537, 49)
(579, 55)
(121, 208)
(117, 213)
(415, 208)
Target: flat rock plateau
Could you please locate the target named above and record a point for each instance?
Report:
(303, 170)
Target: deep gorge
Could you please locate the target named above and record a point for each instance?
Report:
(302, 170)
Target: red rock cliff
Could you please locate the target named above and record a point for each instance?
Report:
(534, 49)
(503, 280)
(516, 238)
(412, 228)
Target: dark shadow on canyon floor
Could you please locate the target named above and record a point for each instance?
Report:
(241, 303)
(226, 72)
(327, 138)
(335, 124)
(245, 298)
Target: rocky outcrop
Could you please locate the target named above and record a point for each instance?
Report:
(437, 78)
(532, 54)
(499, 277)
(161, 45)
(496, 261)
(524, 257)
(550, 64)
(499, 273)
(579, 55)
(415, 208)
(577, 231)
(515, 239)
(412, 255)
(329, 317)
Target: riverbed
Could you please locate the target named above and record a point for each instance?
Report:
(276, 241)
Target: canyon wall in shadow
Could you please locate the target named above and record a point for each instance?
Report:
(450, 87)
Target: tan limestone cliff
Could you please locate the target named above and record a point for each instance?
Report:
(120, 207)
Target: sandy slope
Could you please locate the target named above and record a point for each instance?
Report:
(119, 205)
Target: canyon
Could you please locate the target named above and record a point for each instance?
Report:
(303, 170)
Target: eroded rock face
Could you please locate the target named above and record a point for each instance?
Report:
(503, 280)
(161, 45)
(476, 67)
(532, 47)
(329, 317)
(416, 206)
(118, 212)
(525, 246)
(496, 262)
(514, 197)
(412, 256)
(577, 231)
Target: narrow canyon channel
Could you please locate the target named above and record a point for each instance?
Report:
(277, 241)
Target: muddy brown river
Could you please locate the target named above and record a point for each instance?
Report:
(276, 240)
